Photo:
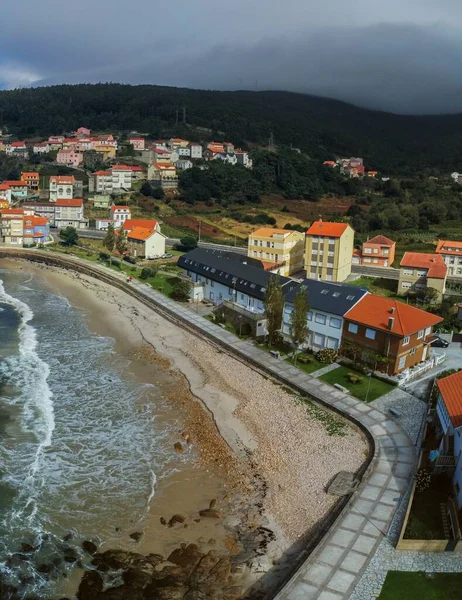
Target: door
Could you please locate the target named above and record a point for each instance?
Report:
(424, 353)
(385, 263)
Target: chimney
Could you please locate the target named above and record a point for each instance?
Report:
(392, 310)
(391, 322)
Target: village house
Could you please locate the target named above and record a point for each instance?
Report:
(56, 139)
(372, 173)
(451, 252)
(36, 230)
(328, 304)
(182, 165)
(119, 214)
(419, 270)
(12, 227)
(5, 194)
(41, 209)
(105, 152)
(102, 201)
(138, 143)
(83, 132)
(161, 155)
(69, 213)
(144, 238)
(32, 180)
(449, 412)
(195, 150)
(61, 186)
(18, 189)
(282, 247)
(100, 181)
(69, 157)
(41, 148)
(163, 173)
(242, 158)
(388, 335)
(354, 171)
(4, 203)
(103, 224)
(379, 251)
(176, 143)
(329, 251)
(17, 149)
(330, 163)
(138, 173)
(121, 178)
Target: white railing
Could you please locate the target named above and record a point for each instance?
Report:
(420, 369)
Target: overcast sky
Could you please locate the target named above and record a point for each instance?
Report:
(400, 55)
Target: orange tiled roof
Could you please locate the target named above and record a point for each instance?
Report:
(380, 239)
(12, 211)
(420, 260)
(105, 173)
(328, 229)
(120, 168)
(130, 224)
(115, 207)
(36, 175)
(69, 202)
(14, 183)
(63, 179)
(140, 233)
(375, 311)
(268, 232)
(448, 247)
(163, 165)
(451, 390)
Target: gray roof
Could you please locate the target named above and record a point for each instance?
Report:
(233, 270)
(334, 298)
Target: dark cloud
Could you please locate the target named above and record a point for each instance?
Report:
(333, 49)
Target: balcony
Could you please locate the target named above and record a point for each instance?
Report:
(248, 312)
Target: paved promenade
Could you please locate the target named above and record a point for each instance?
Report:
(338, 563)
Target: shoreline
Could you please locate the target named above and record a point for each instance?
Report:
(291, 458)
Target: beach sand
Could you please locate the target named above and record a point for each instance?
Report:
(258, 449)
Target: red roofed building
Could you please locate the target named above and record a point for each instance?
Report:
(36, 230)
(121, 177)
(329, 251)
(120, 214)
(387, 334)
(452, 256)
(419, 271)
(163, 173)
(138, 143)
(32, 180)
(61, 186)
(18, 189)
(69, 157)
(69, 213)
(449, 412)
(379, 251)
(144, 238)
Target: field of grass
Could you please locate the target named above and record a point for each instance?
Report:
(376, 388)
(311, 367)
(419, 586)
(425, 522)
(377, 286)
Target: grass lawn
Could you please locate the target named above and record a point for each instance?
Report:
(311, 367)
(425, 522)
(377, 387)
(411, 586)
(378, 286)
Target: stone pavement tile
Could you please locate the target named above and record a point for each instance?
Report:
(377, 479)
(378, 430)
(326, 595)
(364, 507)
(317, 574)
(382, 512)
(330, 555)
(370, 492)
(392, 427)
(398, 483)
(353, 562)
(349, 401)
(390, 497)
(362, 407)
(384, 466)
(302, 591)
(364, 544)
(386, 442)
(378, 416)
(402, 470)
(343, 537)
(375, 528)
(341, 581)
(353, 522)
(401, 439)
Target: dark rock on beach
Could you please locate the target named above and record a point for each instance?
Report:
(89, 547)
(137, 535)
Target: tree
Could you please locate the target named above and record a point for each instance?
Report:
(158, 193)
(274, 306)
(181, 290)
(109, 240)
(298, 326)
(121, 240)
(69, 236)
(427, 294)
(146, 189)
(188, 242)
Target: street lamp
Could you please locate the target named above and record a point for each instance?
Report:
(368, 385)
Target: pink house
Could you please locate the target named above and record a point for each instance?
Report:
(138, 143)
(83, 132)
(69, 157)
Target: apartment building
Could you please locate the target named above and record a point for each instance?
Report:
(387, 334)
(101, 182)
(451, 252)
(419, 270)
(12, 227)
(69, 213)
(163, 173)
(32, 180)
(379, 251)
(283, 248)
(61, 186)
(121, 177)
(329, 251)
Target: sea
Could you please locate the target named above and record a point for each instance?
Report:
(82, 441)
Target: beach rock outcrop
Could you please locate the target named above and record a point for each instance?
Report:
(89, 547)
(176, 519)
(178, 447)
(211, 513)
(137, 535)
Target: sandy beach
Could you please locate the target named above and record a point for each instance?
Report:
(259, 451)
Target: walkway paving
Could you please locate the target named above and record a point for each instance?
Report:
(336, 566)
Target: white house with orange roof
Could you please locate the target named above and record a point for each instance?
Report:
(163, 173)
(19, 189)
(69, 213)
(144, 238)
(41, 148)
(451, 252)
(100, 182)
(5, 194)
(282, 247)
(61, 186)
(16, 148)
(121, 177)
(119, 214)
(420, 270)
(329, 250)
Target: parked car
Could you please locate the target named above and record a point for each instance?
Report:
(168, 255)
(438, 342)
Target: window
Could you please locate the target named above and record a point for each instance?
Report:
(242, 297)
(376, 250)
(406, 284)
(370, 334)
(212, 296)
(412, 352)
(406, 340)
(421, 273)
(402, 363)
(352, 328)
(212, 283)
(420, 334)
(268, 244)
(427, 331)
(324, 291)
(320, 318)
(367, 251)
(408, 272)
(332, 343)
(350, 297)
(334, 322)
(318, 339)
(385, 251)
(310, 316)
(367, 260)
(376, 260)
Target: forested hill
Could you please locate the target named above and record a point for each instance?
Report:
(320, 127)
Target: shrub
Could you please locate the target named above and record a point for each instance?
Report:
(180, 290)
(327, 356)
(422, 480)
(246, 329)
(354, 378)
(304, 359)
(129, 259)
(116, 263)
(145, 273)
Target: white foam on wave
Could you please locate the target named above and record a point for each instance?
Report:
(31, 373)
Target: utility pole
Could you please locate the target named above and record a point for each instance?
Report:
(200, 223)
(176, 117)
(184, 115)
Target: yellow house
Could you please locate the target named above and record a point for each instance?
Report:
(106, 151)
(283, 247)
(12, 227)
(418, 270)
(329, 251)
